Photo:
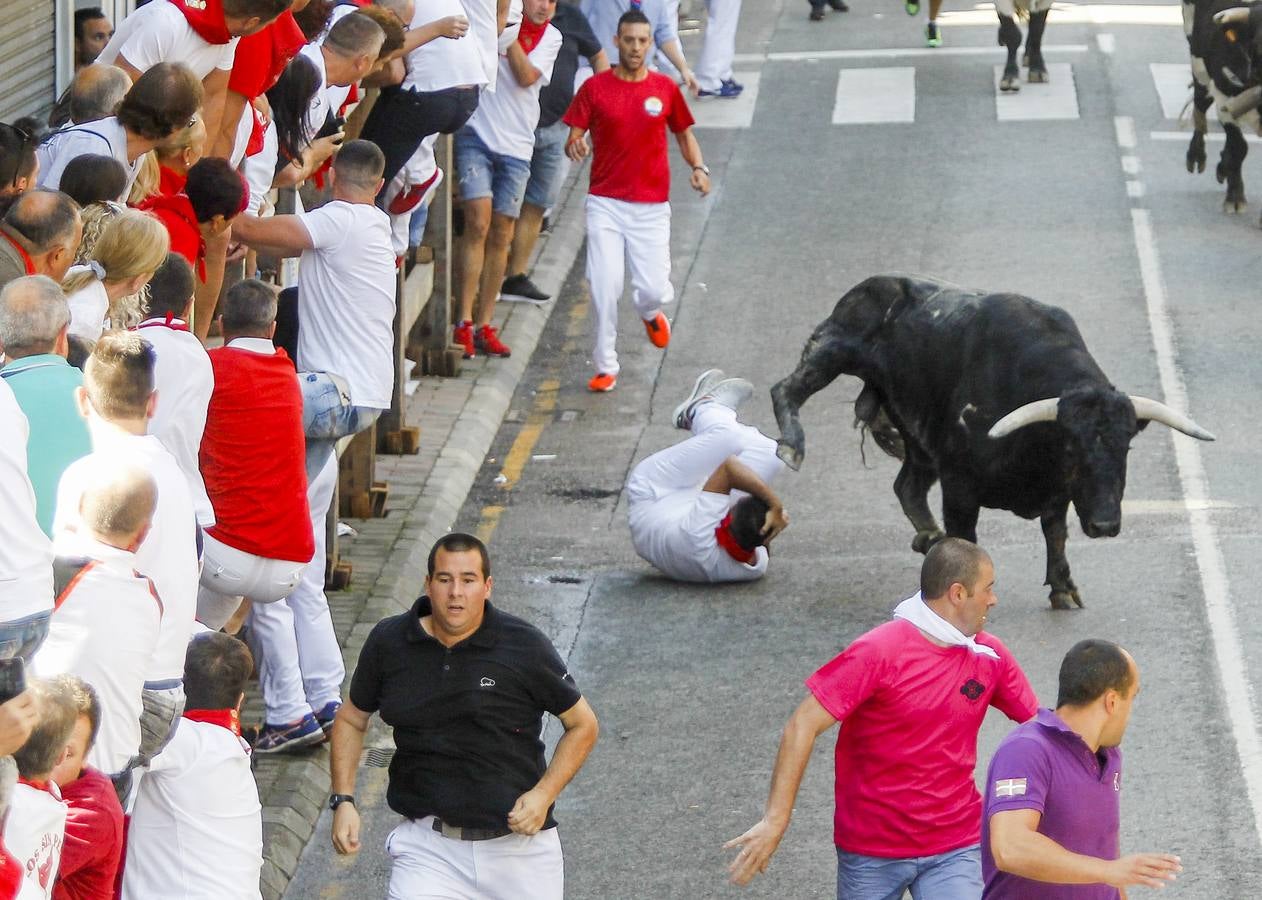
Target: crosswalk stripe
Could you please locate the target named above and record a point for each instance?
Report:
(875, 95)
(894, 53)
(1039, 102)
(738, 112)
(1173, 82)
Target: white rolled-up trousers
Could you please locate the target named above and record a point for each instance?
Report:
(229, 574)
(622, 235)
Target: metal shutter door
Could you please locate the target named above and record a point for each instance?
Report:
(27, 58)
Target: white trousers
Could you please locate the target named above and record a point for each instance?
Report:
(229, 574)
(718, 45)
(300, 663)
(428, 866)
(622, 235)
(716, 435)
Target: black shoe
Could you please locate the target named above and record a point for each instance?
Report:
(520, 287)
(839, 5)
(817, 14)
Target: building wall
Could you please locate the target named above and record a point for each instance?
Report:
(27, 58)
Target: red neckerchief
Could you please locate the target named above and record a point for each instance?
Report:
(206, 17)
(180, 206)
(27, 262)
(529, 34)
(258, 128)
(169, 322)
(224, 718)
(170, 181)
(723, 534)
(38, 785)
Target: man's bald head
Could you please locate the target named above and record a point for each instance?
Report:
(96, 92)
(33, 317)
(48, 224)
(118, 505)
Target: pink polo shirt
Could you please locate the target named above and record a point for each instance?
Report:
(910, 711)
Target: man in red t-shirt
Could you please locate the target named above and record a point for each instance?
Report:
(628, 109)
(911, 696)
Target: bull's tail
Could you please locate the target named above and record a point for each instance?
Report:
(821, 362)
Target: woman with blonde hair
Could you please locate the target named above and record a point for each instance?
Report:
(165, 168)
(107, 291)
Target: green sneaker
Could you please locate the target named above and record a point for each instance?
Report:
(912, 7)
(933, 35)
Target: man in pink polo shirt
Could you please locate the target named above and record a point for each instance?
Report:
(911, 696)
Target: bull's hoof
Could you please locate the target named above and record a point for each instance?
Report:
(1221, 173)
(1196, 161)
(1066, 599)
(789, 455)
(1038, 73)
(1011, 80)
(924, 540)
(1234, 204)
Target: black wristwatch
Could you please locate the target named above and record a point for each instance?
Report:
(336, 800)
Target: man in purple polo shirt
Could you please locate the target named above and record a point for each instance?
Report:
(1050, 824)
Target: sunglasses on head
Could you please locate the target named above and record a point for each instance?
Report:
(24, 138)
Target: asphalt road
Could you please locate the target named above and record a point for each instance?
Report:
(692, 684)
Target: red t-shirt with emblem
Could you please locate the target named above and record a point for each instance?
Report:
(910, 711)
(628, 122)
(261, 57)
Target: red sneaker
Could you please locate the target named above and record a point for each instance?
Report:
(463, 335)
(658, 329)
(602, 383)
(486, 340)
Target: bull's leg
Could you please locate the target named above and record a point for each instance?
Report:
(959, 510)
(912, 489)
(822, 361)
(1201, 102)
(1229, 166)
(1010, 37)
(1034, 49)
(1064, 593)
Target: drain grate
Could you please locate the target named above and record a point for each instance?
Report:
(565, 579)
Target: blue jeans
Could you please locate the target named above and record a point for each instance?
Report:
(548, 166)
(328, 416)
(481, 172)
(956, 875)
(22, 637)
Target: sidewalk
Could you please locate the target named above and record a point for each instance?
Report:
(458, 419)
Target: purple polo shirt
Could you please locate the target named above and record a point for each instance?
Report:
(1043, 765)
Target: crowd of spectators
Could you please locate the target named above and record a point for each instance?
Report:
(145, 406)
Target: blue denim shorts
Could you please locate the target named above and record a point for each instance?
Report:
(481, 172)
(548, 166)
(955, 875)
(22, 637)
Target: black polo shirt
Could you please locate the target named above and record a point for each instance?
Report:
(468, 719)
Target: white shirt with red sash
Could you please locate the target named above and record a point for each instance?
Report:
(163, 31)
(33, 833)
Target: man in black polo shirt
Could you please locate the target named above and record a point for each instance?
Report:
(465, 687)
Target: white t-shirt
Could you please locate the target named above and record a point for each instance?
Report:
(33, 834)
(346, 296)
(106, 631)
(158, 32)
(104, 137)
(169, 553)
(26, 554)
(89, 307)
(676, 534)
(260, 169)
(444, 62)
(184, 380)
(506, 119)
(318, 111)
(196, 830)
(484, 28)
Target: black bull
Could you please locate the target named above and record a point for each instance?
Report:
(994, 395)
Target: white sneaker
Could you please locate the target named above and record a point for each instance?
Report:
(706, 380)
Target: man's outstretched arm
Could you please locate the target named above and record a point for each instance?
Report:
(282, 233)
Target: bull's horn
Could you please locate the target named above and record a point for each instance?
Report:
(1038, 411)
(1159, 412)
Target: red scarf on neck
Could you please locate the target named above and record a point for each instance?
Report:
(530, 34)
(723, 534)
(169, 322)
(206, 17)
(224, 718)
(27, 262)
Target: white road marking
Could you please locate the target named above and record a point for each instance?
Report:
(1055, 100)
(1213, 137)
(1173, 82)
(1134, 189)
(1078, 14)
(1219, 612)
(869, 96)
(1124, 128)
(895, 52)
(1158, 507)
(717, 112)
(1106, 42)
(1131, 165)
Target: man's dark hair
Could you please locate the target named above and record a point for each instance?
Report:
(216, 668)
(1090, 668)
(248, 308)
(632, 17)
(214, 188)
(93, 178)
(57, 714)
(78, 351)
(96, 92)
(950, 561)
(162, 101)
(17, 154)
(459, 542)
(119, 375)
(359, 163)
(290, 98)
(748, 517)
(46, 219)
(314, 18)
(84, 16)
(171, 287)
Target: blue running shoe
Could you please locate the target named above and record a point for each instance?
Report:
(306, 732)
(327, 713)
(728, 90)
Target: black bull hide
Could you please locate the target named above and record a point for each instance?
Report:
(940, 367)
